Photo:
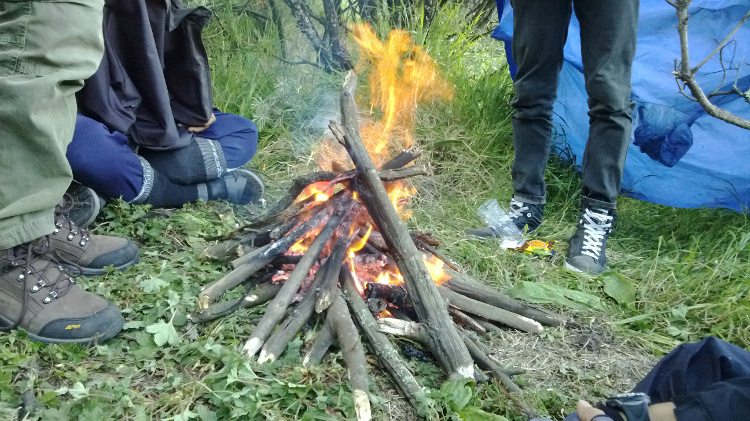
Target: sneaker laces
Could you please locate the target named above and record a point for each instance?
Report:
(596, 225)
(517, 208)
(24, 254)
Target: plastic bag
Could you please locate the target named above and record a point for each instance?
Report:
(507, 233)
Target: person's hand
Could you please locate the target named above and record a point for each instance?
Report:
(586, 412)
(198, 129)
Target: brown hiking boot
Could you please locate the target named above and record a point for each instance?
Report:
(87, 254)
(37, 295)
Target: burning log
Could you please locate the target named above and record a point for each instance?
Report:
(393, 172)
(294, 322)
(391, 294)
(268, 253)
(445, 342)
(402, 159)
(280, 303)
(351, 347)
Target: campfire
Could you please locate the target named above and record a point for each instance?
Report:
(336, 249)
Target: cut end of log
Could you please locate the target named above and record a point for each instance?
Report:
(322, 304)
(203, 303)
(465, 372)
(362, 405)
(264, 357)
(252, 346)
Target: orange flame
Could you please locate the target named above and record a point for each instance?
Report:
(435, 267)
(402, 75)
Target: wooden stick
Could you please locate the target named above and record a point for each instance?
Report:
(429, 249)
(329, 287)
(297, 318)
(232, 279)
(402, 159)
(467, 320)
(388, 356)
(278, 306)
(351, 347)
(299, 184)
(445, 343)
(257, 296)
(472, 288)
(490, 312)
(486, 363)
(323, 340)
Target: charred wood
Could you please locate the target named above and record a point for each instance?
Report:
(213, 291)
(280, 303)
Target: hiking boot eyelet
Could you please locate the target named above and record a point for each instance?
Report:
(48, 299)
(82, 243)
(39, 285)
(55, 231)
(71, 236)
(58, 224)
(21, 277)
(60, 268)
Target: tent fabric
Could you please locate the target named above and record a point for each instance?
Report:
(679, 155)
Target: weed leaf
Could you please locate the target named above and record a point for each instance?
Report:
(164, 333)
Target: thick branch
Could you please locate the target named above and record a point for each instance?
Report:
(388, 356)
(446, 345)
(257, 296)
(351, 347)
(323, 340)
(468, 286)
(329, 287)
(490, 312)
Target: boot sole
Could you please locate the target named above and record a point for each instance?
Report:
(84, 271)
(93, 340)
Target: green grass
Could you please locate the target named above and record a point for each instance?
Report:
(690, 268)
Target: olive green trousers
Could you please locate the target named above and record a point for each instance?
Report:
(47, 49)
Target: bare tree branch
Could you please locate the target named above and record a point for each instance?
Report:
(685, 74)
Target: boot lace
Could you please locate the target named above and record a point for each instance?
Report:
(62, 220)
(517, 208)
(37, 258)
(597, 224)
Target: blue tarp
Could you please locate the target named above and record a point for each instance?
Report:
(679, 155)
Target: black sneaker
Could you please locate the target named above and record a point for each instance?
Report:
(586, 250)
(526, 216)
(81, 204)
(240, 186)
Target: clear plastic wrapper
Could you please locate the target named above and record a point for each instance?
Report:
(506, 232)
